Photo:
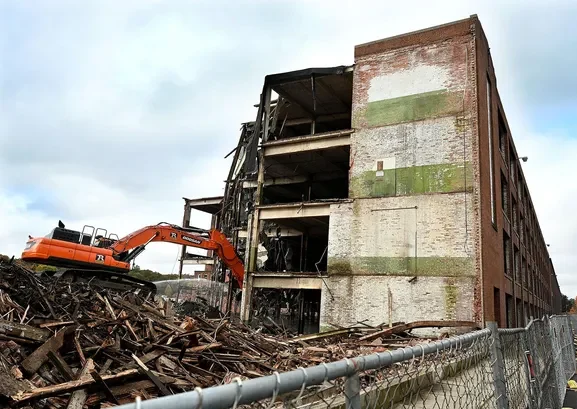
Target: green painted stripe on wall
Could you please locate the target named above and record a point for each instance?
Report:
(402, 266)
(411, 108)
(414, 180)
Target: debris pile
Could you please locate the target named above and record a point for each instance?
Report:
(68, 345)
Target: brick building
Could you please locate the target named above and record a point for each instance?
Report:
(386, 191)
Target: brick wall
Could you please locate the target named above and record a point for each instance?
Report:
(366, 298)
(410, 236)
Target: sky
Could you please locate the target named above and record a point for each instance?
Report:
(112, 111)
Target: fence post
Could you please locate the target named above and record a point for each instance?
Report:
(502, 402)
(353, 391)
(526, 348)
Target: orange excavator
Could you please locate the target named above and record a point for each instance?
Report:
(92, 255)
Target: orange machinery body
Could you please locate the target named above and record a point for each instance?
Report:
(117, 256)
(62, 253)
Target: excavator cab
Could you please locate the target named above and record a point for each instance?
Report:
(97, 237)
(89, 236)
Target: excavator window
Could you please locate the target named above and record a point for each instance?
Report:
(87, 233)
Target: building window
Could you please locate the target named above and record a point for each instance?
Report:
(505, 195)
(522, 228)
(510, 309)
(502, 137)
(524, 273)
(512, 166)
(514, 213)
(516, 266)
(497, 306)
(506, 254)
(491, 166)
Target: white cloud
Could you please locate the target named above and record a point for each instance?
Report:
(111, 111)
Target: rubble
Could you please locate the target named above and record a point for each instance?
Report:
(72, 345)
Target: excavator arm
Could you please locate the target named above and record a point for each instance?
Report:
(130, 246)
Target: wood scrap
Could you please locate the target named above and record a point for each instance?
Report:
(414, 325)
(78, 397)
(99, 345)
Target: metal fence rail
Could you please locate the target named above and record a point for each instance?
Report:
(491, 368)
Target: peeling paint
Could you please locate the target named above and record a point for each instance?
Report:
(441, 178)
(410, 108)
(450, 301)
(419, 79)
(403, 266)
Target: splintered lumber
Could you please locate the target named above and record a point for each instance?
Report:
(414, 325)
(71, 386)
(18, 330)
(157, 382)
(326, 334)
(78, 397)
(109, 394)
(37, 358)
(61, 365)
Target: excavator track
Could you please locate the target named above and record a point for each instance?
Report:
(105, 279)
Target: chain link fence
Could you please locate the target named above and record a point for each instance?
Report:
(524, 368)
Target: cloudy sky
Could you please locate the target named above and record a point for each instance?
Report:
(112, 111)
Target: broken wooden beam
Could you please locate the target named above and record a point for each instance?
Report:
(78, 398)
(17, 330)
(414, 325)
(61, 365)
(163, 390)
(36, 359)
(67, 387)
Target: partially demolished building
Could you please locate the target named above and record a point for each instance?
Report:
(386, 191)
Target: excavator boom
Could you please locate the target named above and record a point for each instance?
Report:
(130, 246)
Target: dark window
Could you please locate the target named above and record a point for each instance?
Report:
(505, 195)
(512, 166)
(524, 272)
(497, 306)
(506, 254)
(510, 310)
(520, 319)
(502, 136)
(516, 265)
(514, 213)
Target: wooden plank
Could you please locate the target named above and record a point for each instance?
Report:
(37, 358)
(79, 350)
(55, 324)
(96, 376)
(163, 390)
(23, 331)
(414, 325)
(201, 348)
(78, 398)
(384, 332)
(108, 306)
(61, 365)
(321, 335)
(67, 387)
(106, 366)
